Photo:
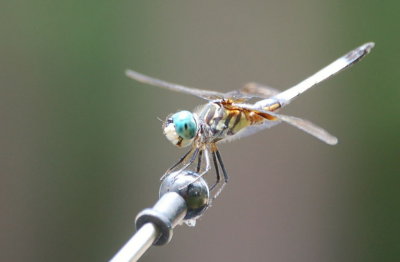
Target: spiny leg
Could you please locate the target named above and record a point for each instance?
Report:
(199, 161)
(206, 169)
(192, 159)
(221, 163)
(216, 171)
(181, 160)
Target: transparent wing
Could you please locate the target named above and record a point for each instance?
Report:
(236, 95)
(205, 94)
(251, 130)
(308, 127)
(300, 123)
(259, 90)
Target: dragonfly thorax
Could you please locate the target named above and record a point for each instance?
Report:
(181, 128)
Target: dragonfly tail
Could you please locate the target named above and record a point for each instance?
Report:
(336, 66)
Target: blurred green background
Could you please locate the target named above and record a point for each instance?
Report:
(82, 149)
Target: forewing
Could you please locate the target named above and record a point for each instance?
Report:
(249, 91)
(236, 95)
(205, 94)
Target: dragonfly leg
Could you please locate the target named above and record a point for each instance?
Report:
(207, 166)
(192, 151)
(199, 161)
(180, 160)
(207, 158)
(191, 160)
(221, 163)
(216, 171)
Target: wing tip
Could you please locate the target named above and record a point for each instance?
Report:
(130, 73)
(367, 47)
(332, 141)
(358, 53)
(140, 77)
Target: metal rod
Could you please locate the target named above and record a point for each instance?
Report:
(155, 225)
(138, 244)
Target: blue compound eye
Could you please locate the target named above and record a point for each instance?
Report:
(185, 124)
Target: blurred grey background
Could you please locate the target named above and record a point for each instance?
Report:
(82, 150)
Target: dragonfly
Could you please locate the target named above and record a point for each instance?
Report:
(229, 116)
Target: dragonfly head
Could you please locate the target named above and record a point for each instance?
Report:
(181, 128)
